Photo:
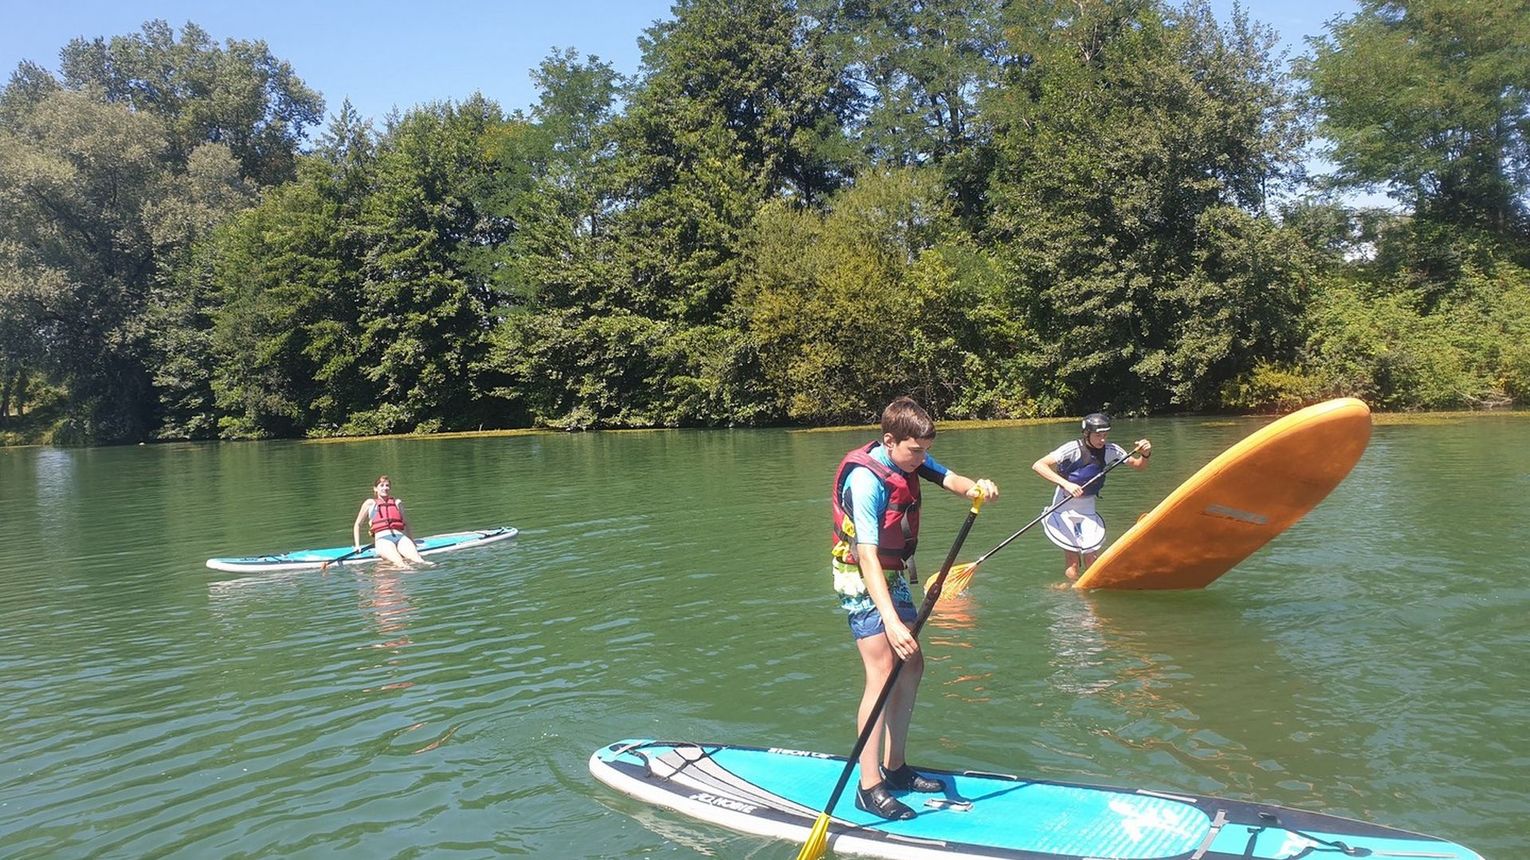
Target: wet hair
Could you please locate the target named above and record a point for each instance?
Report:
(905, 419)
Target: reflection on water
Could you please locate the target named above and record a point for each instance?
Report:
(948, 628)
(1081, 660)
(1369, 662)
(384, 598)
(53, 472)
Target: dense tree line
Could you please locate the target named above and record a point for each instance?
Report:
(795, 210)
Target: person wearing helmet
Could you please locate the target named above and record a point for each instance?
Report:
(1078, 469)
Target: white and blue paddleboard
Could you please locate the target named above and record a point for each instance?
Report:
(340, 555)
(779, 793)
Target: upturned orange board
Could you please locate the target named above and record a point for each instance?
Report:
(1236, 503)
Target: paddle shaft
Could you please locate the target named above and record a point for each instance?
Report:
(931, 595)
(1049, 511)
(339, 558)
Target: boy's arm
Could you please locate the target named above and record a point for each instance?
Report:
(898, 636)
(1138, 457)
(965, 486)
(1046, 467)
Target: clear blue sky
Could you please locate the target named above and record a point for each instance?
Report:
(377, 54)
(386, 54)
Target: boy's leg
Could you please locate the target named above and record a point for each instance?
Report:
(900, 711)
(1070, 564)
(878, 659)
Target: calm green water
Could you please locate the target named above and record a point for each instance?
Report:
(1371, 662)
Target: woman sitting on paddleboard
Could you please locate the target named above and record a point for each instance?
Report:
(1077, 468)
(390, 528)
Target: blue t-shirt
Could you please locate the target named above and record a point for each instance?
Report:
(865, 496)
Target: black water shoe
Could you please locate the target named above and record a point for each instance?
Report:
(878, 802)
(907, 779)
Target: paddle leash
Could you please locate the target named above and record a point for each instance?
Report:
(961, 575)
(818, 837)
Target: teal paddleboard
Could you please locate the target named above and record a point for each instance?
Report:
(779, 793)
(315, 558)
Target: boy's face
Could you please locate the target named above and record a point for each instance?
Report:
(906, 454)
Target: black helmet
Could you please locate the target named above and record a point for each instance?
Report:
(1096, 422)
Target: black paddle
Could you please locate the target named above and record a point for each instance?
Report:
(818, 837)
(339, 558)
(961, 575)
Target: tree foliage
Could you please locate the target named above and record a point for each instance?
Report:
(238, 95)
(75, 178)
(1430, 101)
(112, 174)
(1134, 161)
(794, 211)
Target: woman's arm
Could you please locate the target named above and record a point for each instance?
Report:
(366, 508)
(408, 531)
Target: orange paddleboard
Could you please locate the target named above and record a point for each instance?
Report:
(1236, 503)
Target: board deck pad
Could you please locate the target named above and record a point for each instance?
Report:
(1238, 502)
(315, 558)
(779, 793)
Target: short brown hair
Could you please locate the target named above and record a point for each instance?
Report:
(905, 419)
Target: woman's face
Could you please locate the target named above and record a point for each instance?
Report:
(382, 489)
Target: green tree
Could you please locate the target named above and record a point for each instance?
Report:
(181, 219)
(557, 354)
(1430, 101)
(921, 69)
(76, 176)
(113, 174)
(627, 314)
(426, 312)
(285, 278)
(552, 181)
(239, 95)
(1135, 158)
(28, 86)
(876, 298)
(756, 74)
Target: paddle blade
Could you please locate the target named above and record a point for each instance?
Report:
(957, 581)
(818, 839)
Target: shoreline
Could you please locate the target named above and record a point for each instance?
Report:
(1378, 419)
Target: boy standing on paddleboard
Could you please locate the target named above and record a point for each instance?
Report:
(1078, 469)
(875, 504)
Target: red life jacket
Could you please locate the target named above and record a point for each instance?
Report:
(386, 517)
(899, 533)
